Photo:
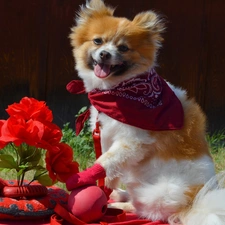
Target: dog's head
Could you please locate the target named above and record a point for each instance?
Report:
(110, 49)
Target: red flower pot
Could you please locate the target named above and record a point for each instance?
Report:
(24, 191)
(10, 189)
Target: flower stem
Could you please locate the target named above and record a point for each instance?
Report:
(17, 160)
(22, 179)
(35, 178)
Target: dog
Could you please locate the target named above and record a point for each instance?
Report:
(152, 135)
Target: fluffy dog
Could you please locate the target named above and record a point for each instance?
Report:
(152, 135)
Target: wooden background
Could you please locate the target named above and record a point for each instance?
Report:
(36, 57)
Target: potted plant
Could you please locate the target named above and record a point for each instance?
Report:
(31, 142)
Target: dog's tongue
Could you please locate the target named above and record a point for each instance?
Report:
(102, 70)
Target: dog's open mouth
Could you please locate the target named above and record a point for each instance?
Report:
(103, 70)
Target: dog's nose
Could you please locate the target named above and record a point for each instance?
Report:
(105, 55)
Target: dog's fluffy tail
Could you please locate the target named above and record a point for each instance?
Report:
(208, 207)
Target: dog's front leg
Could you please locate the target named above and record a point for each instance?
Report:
(110, 164)
(122, 153)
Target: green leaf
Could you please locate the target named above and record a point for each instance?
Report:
(7, 161)
(45, 180)
(39, 169)
(33, 156)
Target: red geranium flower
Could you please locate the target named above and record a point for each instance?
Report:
(19, 131)
(52, 135)
(29, 129)
(59, 162)
(30, 108)
(2, 143)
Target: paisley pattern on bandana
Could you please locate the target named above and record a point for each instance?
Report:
(145, 89)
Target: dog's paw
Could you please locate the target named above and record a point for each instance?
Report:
(126, 206)
(119, 195)
(112, 183)
(86, 177)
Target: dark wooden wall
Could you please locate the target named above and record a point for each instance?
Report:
(36, 58)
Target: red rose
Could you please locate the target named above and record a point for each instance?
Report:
(30, 108)
(59, 162)
(18, 131)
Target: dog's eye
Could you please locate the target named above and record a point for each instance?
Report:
(123, 48)
(98, 41)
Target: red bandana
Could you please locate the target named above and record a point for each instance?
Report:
(145, 101)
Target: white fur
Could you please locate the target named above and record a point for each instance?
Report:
(164, 194)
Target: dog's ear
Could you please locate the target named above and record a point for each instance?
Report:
(93, 8)
(151, 22)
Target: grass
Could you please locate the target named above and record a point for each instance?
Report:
(216, 142)
(82, 144)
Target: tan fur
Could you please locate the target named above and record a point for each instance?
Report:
(191, 193)
(131, 35)
(187, 143)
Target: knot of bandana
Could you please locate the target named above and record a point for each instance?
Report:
(145, 101)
